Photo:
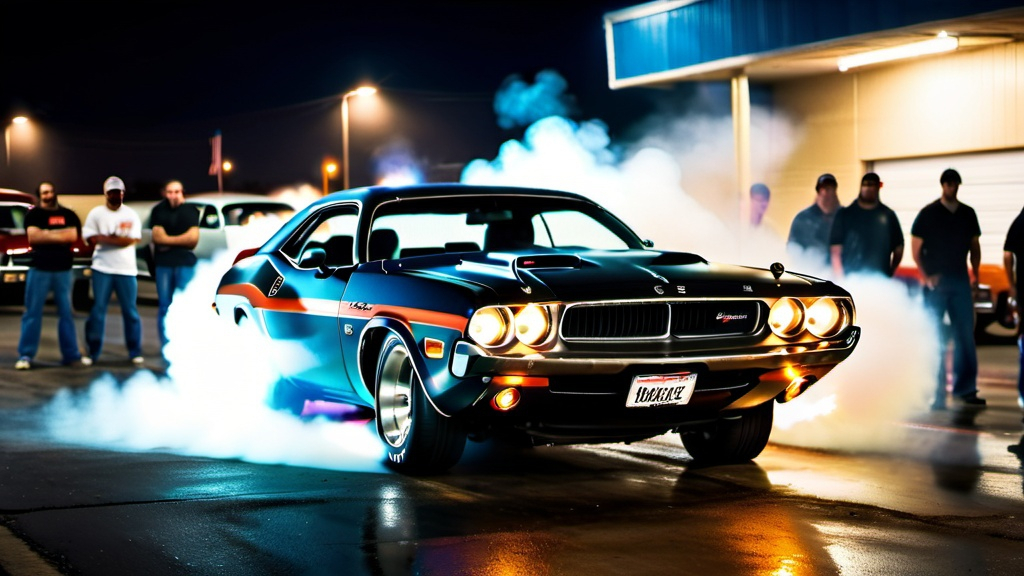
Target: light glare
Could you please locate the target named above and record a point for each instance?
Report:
(786, 317)
(532, 325)
(488, 326)
(825, 318)
(941, 43)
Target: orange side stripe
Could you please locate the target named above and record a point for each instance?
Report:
(316, 306)
(323, 307)
(408, 315)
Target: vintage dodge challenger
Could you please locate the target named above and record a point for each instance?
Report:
(461, 311)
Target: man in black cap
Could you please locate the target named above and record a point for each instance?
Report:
(866, 235)
(810, 228)
(943, 235)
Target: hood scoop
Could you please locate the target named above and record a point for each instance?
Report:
(548, 261)
(676, 259)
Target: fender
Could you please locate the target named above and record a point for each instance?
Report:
(401, 330)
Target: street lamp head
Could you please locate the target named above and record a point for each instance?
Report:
(227, 166)
(330, 167)
(362, 91)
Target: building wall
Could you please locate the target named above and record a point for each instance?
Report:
(971, 100)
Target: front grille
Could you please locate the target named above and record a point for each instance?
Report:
(715, 318)
(652, 320)
(616, 321)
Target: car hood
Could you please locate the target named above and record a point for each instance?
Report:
(596, 275)
(13, 240)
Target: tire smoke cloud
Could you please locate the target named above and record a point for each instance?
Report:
(211, 401)
(860, 405)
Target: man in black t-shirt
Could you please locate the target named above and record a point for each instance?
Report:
(1013, 255)
(811, 227)
(866, 235)
(52, 229)
(175, 233)
(943, 235)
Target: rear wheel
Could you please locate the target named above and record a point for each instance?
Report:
(418, 439)
(731, 441)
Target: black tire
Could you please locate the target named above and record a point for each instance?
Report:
(731, 441)
(418, 439)
(81, 295)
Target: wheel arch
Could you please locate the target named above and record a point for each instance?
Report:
(373, 337)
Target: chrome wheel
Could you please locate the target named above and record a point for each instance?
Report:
(394, 399)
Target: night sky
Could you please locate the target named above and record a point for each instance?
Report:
(137, 90)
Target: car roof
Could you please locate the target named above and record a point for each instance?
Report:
(10, 195)
(372, 195)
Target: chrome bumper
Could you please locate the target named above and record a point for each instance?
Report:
(471, 360)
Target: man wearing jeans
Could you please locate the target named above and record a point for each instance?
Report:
(175, 233)
(113, 229)
(52, 229)
(944, 233)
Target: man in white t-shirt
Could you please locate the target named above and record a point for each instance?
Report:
(113, 230)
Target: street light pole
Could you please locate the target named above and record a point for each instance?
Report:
(361, 91)
(328, 168)
(7, 137)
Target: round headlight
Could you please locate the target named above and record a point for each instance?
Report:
(826, 318)
(489, 326)
(786, 318)
(532, 325)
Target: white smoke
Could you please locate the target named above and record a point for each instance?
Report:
(890, 377)
(211, 401)
(395, 164)
(519, 103)
(891, 374)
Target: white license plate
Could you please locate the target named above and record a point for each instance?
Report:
(661, 390)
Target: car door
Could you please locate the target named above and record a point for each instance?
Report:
(313, 268)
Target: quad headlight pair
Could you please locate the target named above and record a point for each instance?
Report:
(497, 325)
(824, 318)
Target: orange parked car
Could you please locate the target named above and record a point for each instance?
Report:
(991, 301)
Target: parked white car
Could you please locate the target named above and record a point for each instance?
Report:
(229, 221)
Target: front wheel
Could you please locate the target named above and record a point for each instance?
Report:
(731, 441)
(418, 439)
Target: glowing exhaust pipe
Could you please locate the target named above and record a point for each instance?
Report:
(506, 400)
(798, 386)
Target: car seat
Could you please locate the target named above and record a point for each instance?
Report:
(383, 244)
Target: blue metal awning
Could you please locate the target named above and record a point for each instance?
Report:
(685, 39)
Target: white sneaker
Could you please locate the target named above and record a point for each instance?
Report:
(86, 361)
(138, 360)
(23, 363)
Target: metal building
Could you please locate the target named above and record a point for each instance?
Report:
(907, 118)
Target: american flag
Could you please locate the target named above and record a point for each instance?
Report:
(215, 162)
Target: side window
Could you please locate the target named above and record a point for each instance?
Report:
(209, 218)
(332, 230)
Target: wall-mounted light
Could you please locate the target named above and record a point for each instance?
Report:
(941, 43)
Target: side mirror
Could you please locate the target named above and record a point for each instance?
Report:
(313, 258)
(647, 243)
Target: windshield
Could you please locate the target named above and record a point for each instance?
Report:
(12, 216)
(494, 223)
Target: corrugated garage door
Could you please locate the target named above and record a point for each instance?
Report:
(993, 185)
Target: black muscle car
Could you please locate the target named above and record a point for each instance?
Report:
(461, 311)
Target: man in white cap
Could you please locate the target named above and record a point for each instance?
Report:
(113, 229)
